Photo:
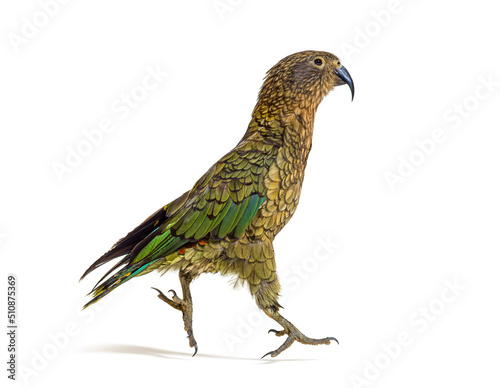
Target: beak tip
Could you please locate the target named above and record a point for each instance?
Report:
(344, 75)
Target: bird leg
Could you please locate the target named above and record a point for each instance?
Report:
(293, 333)
(185, 305)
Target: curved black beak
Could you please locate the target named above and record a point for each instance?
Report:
(344, 75)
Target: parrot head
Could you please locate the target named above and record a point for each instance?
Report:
(307, 75)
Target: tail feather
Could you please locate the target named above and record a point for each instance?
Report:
(149, 251)
(123, 261)
(144, 246)
(135, 266)
(131, 256)
(127, 244)
(120, 277)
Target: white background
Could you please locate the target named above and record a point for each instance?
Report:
(397, 249)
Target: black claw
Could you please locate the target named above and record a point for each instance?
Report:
(173, 292)
(267, 354)
(157, 290)
(272, 331)
(195, 350)
(333, 339)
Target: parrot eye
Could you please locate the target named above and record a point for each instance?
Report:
(318, 62)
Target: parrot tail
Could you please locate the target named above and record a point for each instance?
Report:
(129, 242)
(118, 278)
(150, 242)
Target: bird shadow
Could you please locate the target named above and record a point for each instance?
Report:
(170, 354)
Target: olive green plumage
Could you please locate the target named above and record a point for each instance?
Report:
(227, 222)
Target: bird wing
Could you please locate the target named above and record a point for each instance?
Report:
(133, 239)
(221, 204)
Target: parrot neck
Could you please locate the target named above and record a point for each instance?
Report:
(290, 120)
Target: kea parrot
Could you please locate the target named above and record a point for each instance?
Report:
(227, 222)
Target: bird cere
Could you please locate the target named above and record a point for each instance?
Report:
(227, 222)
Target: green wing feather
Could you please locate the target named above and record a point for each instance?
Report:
(221, 204)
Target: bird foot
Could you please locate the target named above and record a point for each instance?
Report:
(187, 310)
(176, 302)
(296, 335)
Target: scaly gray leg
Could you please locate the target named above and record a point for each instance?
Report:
(185, 305)
(293, 333)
